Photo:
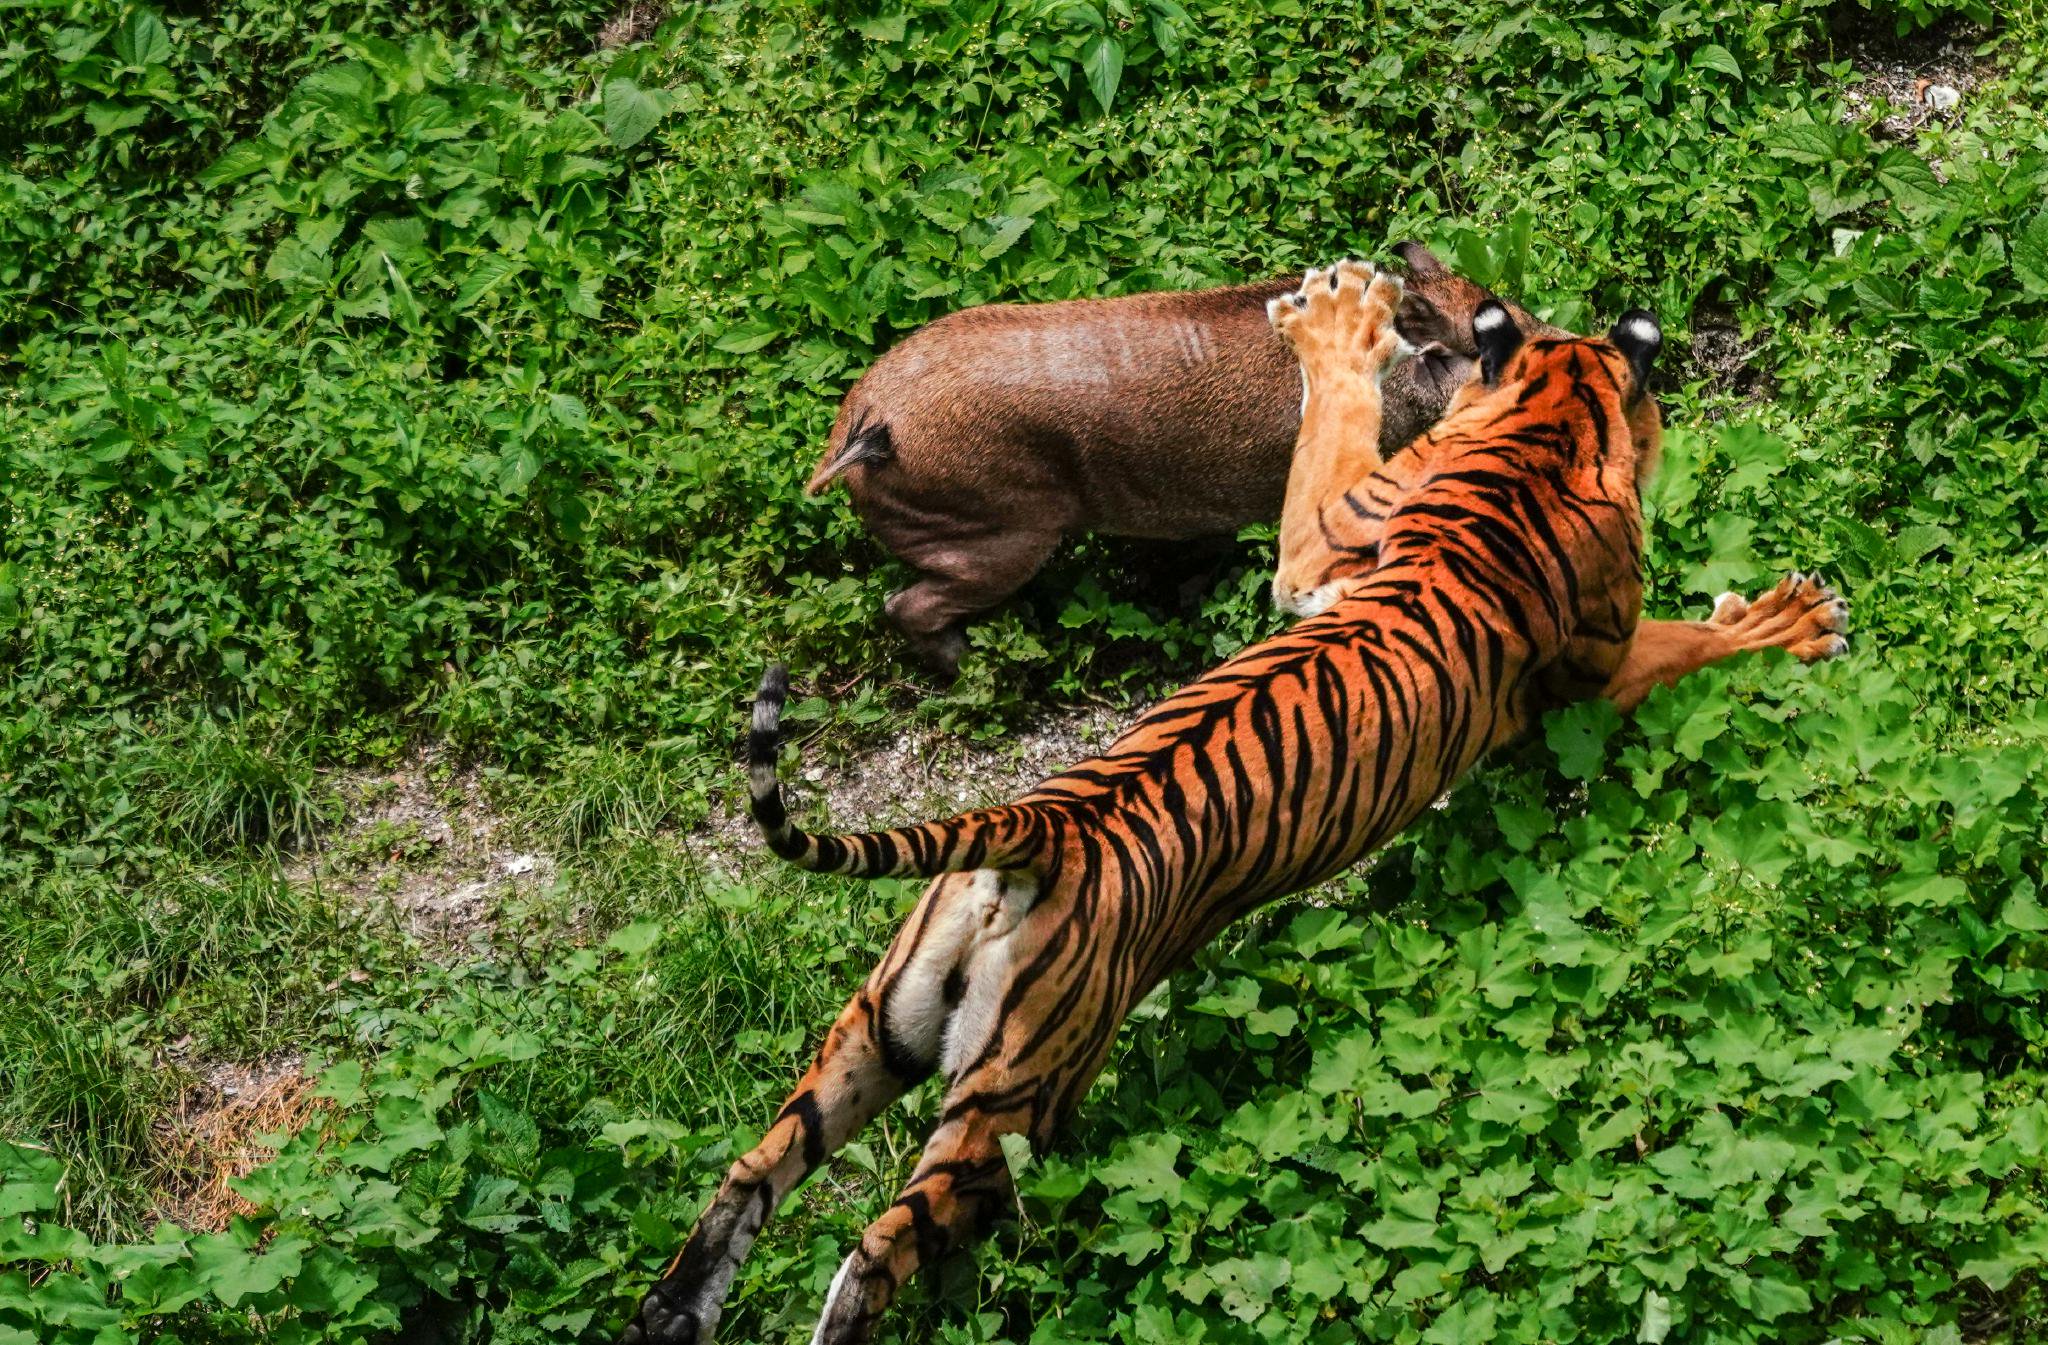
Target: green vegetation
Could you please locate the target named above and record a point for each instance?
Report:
(378, 374)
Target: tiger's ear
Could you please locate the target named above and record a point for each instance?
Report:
(1638, 337)
(1497, 338)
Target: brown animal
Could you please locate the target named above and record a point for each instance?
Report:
(974, 446)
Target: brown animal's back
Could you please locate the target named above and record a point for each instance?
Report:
(978, 443)
(1154, 415)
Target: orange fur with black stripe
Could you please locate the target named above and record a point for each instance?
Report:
(1503, 580)
(1340, 496)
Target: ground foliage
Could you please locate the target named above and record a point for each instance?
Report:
(380, 370)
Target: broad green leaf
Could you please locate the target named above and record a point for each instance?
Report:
(882, 28)
(1730, 563)
(1714, 56)
(569, 412)
(1579, 735)
(636, 938)
(107, 118)
(29, 1178)
(1246, 1286)
(1102, 60)
(142, 40)
(1145, 1169)
(2030, 254)
(630, 111)
(1008, 231)
(747, 338)
(1913, 187)
(237, 163)
(486, 274)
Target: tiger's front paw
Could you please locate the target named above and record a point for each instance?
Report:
(1801, 615)
(1342, 320)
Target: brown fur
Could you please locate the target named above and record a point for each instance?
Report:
(975, 445)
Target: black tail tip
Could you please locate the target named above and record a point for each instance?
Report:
(774, 684)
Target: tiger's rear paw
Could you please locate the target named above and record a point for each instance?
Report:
(1801, 615)
(1343, 319)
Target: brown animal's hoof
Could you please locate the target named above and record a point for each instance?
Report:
(938, 652)
(939, 655)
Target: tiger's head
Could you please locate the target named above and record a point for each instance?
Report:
(1610, 376)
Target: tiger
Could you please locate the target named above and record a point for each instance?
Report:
(1504, 578)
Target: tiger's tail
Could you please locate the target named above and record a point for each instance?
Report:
(1011, 837)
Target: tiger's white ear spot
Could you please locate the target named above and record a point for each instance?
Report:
(1489, 319)
(1642, 329)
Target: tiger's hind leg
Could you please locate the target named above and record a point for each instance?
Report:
(888, 1037)
(1032, 1030)
(852, 1079)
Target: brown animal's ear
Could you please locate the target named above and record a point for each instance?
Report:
(1419, 259)
(1498, 338)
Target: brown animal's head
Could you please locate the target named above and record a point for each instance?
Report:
(1436, 318)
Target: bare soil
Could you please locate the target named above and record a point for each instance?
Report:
(424, 841)
(216, 1134)
(1921, 77)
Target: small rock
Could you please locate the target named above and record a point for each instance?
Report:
(1943, 97)
(522, 864)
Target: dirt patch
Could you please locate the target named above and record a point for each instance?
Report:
(1725, 358)
(1922, 77)
(213, 1136)
(921, 774)
(423, 840)
(632, 23)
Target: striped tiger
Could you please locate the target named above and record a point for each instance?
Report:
(1504, 577)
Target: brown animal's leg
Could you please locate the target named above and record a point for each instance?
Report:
(959, 580)
(886, 1039)
(1801, 615)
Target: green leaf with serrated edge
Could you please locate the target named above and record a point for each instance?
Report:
(486, 274)
(143, 40)
(1008, 231)
(1146, 1168)
(746, 339)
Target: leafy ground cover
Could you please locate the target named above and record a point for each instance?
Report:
(380, 375)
